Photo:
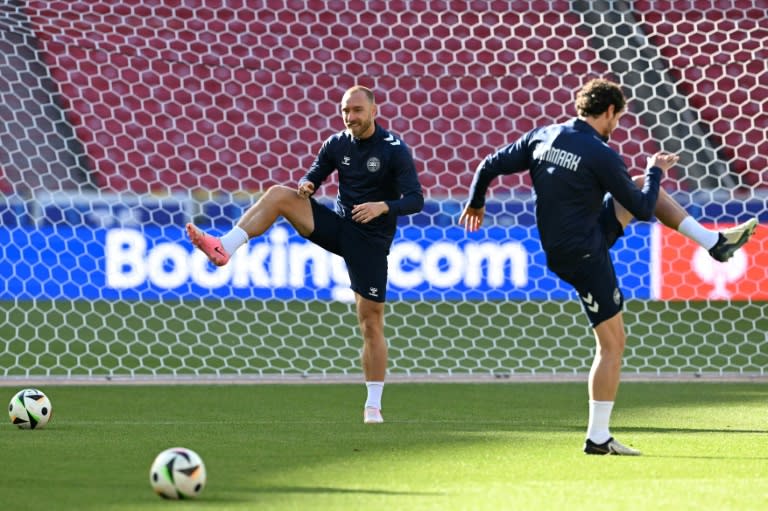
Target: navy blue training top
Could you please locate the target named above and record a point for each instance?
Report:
(572, 167)
(378, 168)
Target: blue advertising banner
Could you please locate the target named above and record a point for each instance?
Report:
(426, 263)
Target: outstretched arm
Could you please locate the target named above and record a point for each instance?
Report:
(508, 160)
(472, 218)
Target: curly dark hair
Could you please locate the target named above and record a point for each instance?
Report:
(597, 95)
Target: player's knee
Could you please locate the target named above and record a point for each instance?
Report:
(371, 318)
(611, 337)
(278, 193)
(281, 198)
(611, 347)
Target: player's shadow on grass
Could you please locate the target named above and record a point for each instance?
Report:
(697, 430)
(331, 490)
(250, 493)
(648, 429)
(691, 457)
(690, 430)
(638, 429)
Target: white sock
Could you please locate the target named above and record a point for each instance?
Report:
(599, 419)
(693, 230)
(375, 389)
(234, 239)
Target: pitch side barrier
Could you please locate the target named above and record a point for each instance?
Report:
(136, 249)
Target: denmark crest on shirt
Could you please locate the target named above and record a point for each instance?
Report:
(373, 164)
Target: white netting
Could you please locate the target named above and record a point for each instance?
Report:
(123, 120)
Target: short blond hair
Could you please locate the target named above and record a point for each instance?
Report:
(361, 88)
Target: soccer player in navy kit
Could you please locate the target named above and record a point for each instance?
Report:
(584, 200)
(377, 183)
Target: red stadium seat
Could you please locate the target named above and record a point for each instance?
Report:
(170, 96)
(718, 55)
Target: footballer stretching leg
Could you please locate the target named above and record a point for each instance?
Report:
(278, 201)
(721, 245)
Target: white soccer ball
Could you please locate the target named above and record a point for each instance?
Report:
(178, 473)
(30, 409)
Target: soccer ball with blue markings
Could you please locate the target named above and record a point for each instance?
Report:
(30, 409)
(178, 473)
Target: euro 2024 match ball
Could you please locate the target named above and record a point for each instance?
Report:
(178, 473)
(30, 409)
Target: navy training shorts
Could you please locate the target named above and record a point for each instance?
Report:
(593, 275)
(365, 255)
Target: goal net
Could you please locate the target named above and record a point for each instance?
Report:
(123, 120)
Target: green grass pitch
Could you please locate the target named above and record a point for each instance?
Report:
(444, 447)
